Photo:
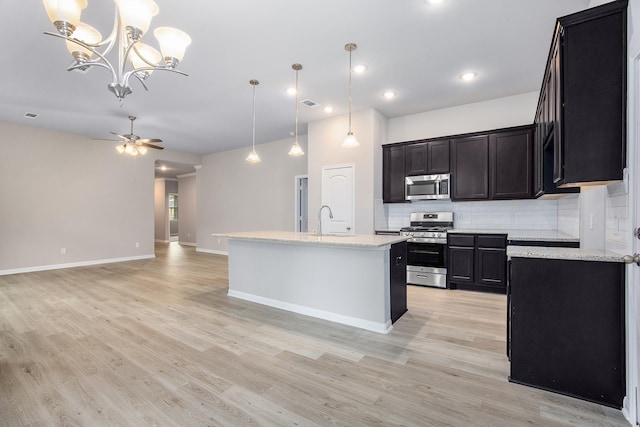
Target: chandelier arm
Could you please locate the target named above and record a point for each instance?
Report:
(143, 59)
(89, 64)
(101, 56)
(127, 76)
(141, 82)
(125, 56)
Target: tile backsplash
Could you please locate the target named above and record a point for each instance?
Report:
(618, 227)
(499, 215)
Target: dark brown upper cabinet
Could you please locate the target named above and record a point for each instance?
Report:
(427, 158)
(470, 168)
(393, 173)
(581, 116)
(511, 164)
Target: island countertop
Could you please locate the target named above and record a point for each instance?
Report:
(371, 241)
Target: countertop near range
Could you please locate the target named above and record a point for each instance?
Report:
(371, 241)
(523, 235)
(575, 254)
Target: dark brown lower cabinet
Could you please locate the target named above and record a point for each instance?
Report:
(477, 262)
(398, 280)
(566, 327)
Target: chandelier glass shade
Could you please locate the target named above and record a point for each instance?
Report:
(253, 156)
(296, 149)
(132, 21)
(350, 141)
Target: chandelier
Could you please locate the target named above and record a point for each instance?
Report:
(132, 20)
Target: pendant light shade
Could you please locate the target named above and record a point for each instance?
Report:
(253, 156)
(350, 141)
(296, 149)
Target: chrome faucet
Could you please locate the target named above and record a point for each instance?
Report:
(320, 218)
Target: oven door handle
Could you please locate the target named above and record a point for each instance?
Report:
(418, 251)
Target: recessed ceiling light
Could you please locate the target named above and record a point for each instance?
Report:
(291, 91)
(328, 109)
(359, 69)
(389, 94)
(434, 1)
(163, 168)
(468, 76)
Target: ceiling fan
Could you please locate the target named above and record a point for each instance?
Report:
(135, 145)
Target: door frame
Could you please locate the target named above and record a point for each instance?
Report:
(631, 407)
(296, 201)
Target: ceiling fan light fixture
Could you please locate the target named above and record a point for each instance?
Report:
(133, 145)
(296, 149)
(350, 141)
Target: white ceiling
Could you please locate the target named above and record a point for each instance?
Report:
(411, 47)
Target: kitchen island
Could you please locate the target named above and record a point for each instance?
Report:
(349, 279)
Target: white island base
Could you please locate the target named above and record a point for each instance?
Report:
(343, 279)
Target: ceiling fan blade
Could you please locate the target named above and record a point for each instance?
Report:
(150, 140)
(157, 147)
(120, 136)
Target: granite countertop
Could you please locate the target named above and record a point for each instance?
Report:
(531, 235)
(370, 241)
(575, 254)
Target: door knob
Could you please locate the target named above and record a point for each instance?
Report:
(348, 228)
(630, 259)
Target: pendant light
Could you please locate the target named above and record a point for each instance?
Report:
(350, 141)
(296, 149)
(253, 156)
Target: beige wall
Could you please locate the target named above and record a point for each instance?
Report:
(61, 190)
(234, 195)
(325, 149)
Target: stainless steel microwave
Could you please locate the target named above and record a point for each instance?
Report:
(427, 187)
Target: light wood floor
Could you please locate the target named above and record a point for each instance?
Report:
(158, 342)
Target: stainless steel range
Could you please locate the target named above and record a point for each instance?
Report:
(427, 248)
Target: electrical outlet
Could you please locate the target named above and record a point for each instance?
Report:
(63, 251)
(137, 244)
(218, 240)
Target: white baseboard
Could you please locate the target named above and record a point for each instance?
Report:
(73, 264)
(211, 251)
(188, 243)
(161, 241)
(381, 328)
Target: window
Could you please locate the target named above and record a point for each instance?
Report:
(173, 206)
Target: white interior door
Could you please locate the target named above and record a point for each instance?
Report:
(338, 194)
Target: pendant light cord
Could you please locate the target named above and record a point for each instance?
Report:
(253, 136)
(296, 141)
(350, 90)
(254, 83)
